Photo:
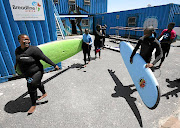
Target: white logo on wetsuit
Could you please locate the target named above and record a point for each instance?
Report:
(166, 35)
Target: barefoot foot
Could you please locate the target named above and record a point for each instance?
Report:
(44, 95)
(31, 110)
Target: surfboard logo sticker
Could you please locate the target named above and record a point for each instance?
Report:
(142, 83)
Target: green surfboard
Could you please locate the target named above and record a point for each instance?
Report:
(58, 51)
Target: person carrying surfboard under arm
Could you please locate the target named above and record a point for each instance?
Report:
(28, 59)
(166, 38)
(148, 43)
(86, 46)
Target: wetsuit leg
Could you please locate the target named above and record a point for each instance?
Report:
(95, 50)
(99, 53)
(33, 83)
(84, 47)
(165, 49)
(40, 85)
(163, 58)
(89, 50)
(84, 58)
(103, 41)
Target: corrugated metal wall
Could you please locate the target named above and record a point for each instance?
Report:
(162, 14)
(39, 32)
(95, 7)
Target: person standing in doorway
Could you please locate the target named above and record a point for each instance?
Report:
(28, 59)
(86, 46)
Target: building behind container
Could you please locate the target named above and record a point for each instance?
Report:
(157, 16)
(77, 15)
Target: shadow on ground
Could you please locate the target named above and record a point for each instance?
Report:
(172, 84)
(125, 92)
(23, 104)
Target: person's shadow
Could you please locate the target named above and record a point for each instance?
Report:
(172, 84)
(125, 92)
(23, 103)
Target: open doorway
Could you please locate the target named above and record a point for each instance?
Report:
(74, 30)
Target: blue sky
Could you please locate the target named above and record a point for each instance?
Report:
(120, 5)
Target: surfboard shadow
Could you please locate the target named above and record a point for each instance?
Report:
(78, 66)
(125, 92)
(172, 84)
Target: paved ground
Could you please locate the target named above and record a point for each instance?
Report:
(83, 97)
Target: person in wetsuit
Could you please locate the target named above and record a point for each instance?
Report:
(28, 58)
(104, 33)
(166, 38)
(98, 41)
(148, 43)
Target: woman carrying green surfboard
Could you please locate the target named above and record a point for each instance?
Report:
(28, 60)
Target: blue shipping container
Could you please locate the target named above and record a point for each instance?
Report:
(157, 16)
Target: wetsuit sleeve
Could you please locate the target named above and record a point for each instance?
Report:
(16, 59)
(40, 55)
(158, 51)
(163, 31)
(136, 48)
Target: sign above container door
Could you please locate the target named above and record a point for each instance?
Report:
(27, 10)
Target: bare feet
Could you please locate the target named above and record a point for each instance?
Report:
(44, 95)
(31, 110)
(84, 66)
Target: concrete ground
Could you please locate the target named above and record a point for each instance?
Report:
(84, 97)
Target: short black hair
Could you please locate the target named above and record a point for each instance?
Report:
(98, 26)
(19, 37)
(172, 23)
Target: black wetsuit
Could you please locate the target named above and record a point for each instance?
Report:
(147, 46)
(98, 41)
(104, 32)
(165, 46)
(32, 69)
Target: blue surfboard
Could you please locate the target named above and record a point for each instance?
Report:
(143, 78)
